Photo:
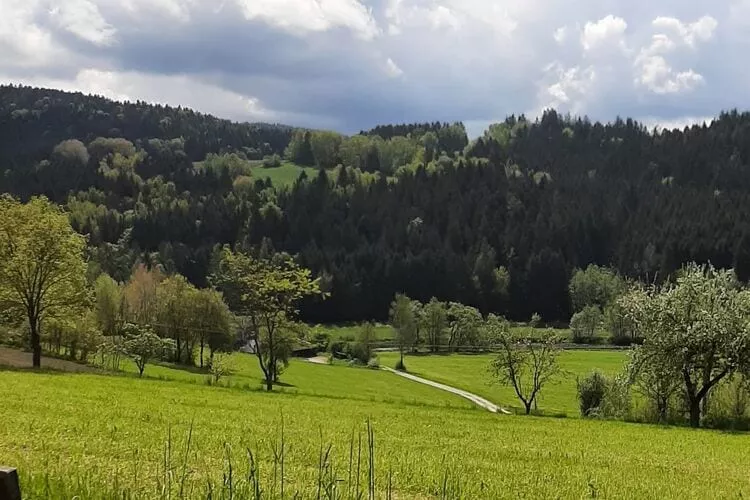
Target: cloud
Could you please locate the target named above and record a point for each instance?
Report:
(351, 64)
(605, 32)
(312, 15)
(83, 19)
(392, 68)
(699, 31)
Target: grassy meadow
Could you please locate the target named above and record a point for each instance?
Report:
(102, 436)
(471, 373)
(303, 378)
(285, 175)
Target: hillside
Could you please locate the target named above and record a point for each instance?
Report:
(500, 223)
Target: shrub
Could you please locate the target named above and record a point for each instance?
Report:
(617, 401)
(729, 405)
(400, 366)
(586, 324)
(338, 348)
(591, 392)
(321, 341)
(272, 161)
(374, 363)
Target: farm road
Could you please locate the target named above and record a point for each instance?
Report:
(477, 400)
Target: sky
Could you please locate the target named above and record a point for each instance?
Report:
(348, 65)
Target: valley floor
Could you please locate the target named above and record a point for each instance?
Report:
(107, 436)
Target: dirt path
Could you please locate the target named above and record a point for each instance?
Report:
(477, 400)
(19, 359)
(318, 360)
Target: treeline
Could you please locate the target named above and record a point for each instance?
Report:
(386, 153)
(34, 120)
(50, 296)
(500, 226)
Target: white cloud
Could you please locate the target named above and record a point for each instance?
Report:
(605, 32)
(83, 19)
(313, 15)
(700, 31)
(443, 17)
(175, 9)
(659, 77)
(567, 89)
(23, 43)
(654, 72)
(560, 34)
(392, 69)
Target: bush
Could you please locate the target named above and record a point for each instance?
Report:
(374, 363)
(338, 348)
(617, 401)
(729, 405)
(359, 353)
(273, 161)
(586, 324)
(321, 341)
(400, 366)
(591, 392)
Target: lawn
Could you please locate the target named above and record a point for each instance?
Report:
(351, 332)
(285, 175)
(304, 378)
(103, 436)
(470, 372)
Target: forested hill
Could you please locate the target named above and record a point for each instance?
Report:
(34, 120)
(499, 222)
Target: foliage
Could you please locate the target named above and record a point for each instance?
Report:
(143, 346)
(219, 368)
(464, 326)
(591, 393)
(586, 324)
(273, 161)
(164, 186)
(621, 329)
(434, 321)
(594, 286)
(362, 349)
(695, 329)
(42, 271)
(526, 365)
(108, 304)
(265, 294)
(404, 323)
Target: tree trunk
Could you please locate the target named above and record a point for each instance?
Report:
(36, 347)
(528, 407)
(695, 412)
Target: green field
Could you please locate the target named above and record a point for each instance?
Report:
(470, 372)
(285, 175)
(106, 436)
(303, 378)
(351, 332)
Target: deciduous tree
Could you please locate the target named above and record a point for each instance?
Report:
(404, 323)
(695, 329)
(526, 364)
(42, 269)
(265, 294)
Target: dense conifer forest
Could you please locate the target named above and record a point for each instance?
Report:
(499, 222)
